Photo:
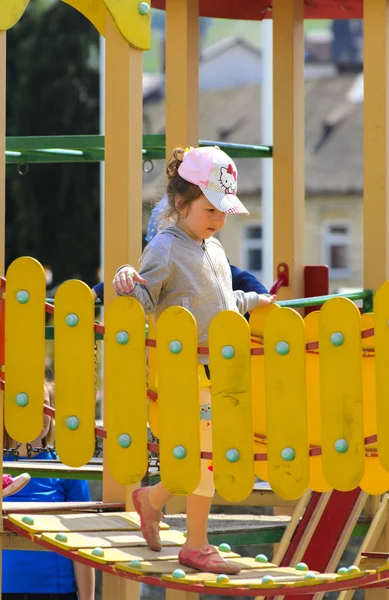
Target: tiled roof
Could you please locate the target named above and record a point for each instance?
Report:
(234, 116)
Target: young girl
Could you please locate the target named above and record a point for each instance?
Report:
(184, 265)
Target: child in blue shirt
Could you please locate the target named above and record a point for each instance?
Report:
(46, 575)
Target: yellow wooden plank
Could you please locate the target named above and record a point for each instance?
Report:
(190, 579)
(375, 478)
(95, 12)
(311, 323)
(109, 539)
(260, 466)
(257, 328)
(341, 394)
(178, 401)
(286, 404)
(75, 373)
(11, 12)
(76, 522)
(317, 480)
(132, 22)
(134, 520)
(247, 562)
(125, 390)
(161, 567)
(381, 323)
(232, 422)
(368, 377)
(152, 377)
(25, 349)
(258, 319)
(112, 555)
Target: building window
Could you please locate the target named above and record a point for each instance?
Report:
(336, 243)
(252, 258)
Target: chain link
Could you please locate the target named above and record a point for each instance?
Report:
(30, 451)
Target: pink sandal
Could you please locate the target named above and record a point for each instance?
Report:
(150, 517)
(208, 560)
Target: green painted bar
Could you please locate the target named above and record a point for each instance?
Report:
(304, 302)
(58, 149)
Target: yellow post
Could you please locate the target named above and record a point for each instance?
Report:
(182, 101)
(376, 206)
(123, 206)
(123, 155)
(288, 124)
(182, 74)
(376, 151)
(2, 211)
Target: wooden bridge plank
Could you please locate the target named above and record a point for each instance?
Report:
(110, 539)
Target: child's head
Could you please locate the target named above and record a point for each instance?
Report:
(206, 173)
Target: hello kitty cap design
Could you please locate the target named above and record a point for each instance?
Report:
(216, 175)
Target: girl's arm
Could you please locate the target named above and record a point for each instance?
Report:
(85, 580)
(146, 285)
(248, 301)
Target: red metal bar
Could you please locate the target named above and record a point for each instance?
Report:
(302, 527)
(327, 532)
(282, 278)
(316, 283)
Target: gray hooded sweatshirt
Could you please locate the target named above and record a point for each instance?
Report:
(182, 272)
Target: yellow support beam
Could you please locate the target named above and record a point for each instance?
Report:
(182, 74)
(123, 156)
(123, 206)
(376, 151)
(288, 133)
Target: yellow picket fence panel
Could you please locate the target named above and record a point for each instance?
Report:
(375, 478)
(152, 378)
(178, 400)
(257, 327)
(74, 366)
(294, 398)
(125, 390)
(232, 413)
(286, 404)
(317, 482)
(381, 323)
(341, 394)
(25, 349)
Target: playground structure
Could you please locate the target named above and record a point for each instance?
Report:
(318, 437)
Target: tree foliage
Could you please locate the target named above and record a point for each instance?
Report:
(52, 213)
